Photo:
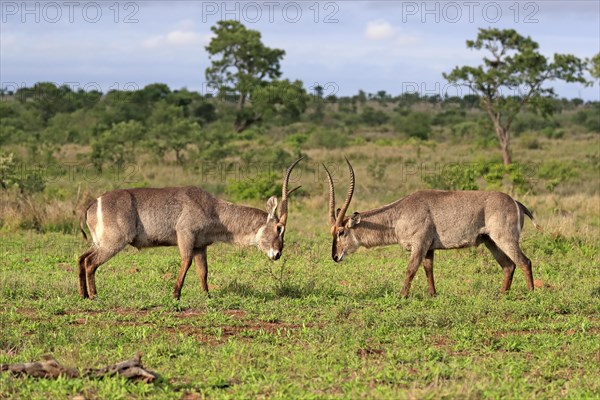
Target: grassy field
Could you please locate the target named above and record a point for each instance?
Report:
(305, 327)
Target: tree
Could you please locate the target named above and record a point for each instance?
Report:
(169, 130)
(240, 63)
(373, 117)
(595, 66)
(516, 67)
(117, 144)
(361, 97)
(318, 115)
(288, 99)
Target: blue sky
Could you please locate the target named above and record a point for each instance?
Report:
(397, 46)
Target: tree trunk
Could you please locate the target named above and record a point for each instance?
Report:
(504, 139)
(241, 101)
(506, 157)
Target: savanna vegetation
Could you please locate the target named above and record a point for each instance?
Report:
(304, 326)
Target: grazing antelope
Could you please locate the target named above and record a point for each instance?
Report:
(187, 217)
(430, 220)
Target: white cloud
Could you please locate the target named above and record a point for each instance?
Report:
(379, 30)
(382, 30)
(176, 38)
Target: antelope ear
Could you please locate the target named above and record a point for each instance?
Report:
(337, 212)
(272, 207)
(353, 221)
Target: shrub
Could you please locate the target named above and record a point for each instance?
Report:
(370, 116)
(514, 175)
(329, 139)
(555, 172)
(26, 181)
(449, 117)
(531, 142)
(414, 124)
(480, 131)
(531, 122)
(553, 133)
(453, 177)
(117, 144)
(260, 187)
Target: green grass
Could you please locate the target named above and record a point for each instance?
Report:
(306, 327)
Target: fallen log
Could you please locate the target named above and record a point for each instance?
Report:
(49, 368)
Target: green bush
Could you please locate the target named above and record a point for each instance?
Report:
(26, 181)
(554, 173)
(496, 175)
(531, 122)
(414, 124)
(453, 177)
(373, 117)
(589, 118)
(117, 144)
(553, 133)
(327, 138)
(531, 142)
(480, 131)
(269, 155)
(449, 117)
(261, 187)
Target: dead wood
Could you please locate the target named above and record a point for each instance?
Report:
(49, 368)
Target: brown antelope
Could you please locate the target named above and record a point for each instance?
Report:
(187, 217)
(430, 220)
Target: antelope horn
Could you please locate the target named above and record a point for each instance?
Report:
(331, 197)
(283, 210)
(294, 189)
(340, 218)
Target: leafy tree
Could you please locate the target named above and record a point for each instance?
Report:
(407, 99)
(414, 124)
(241, 63)
(171, 131)
(117, 144)
(361, 97)
(515, 66)
(318, 100)
(595, 66)
(284, 98)
(382, 97)
(370, 116)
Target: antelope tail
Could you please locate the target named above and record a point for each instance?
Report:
(82, 219)
(526, 211)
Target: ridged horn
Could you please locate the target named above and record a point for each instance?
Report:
(283, 207)
(340, 218)
(331, 197)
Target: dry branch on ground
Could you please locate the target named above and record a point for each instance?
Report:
(51, 369)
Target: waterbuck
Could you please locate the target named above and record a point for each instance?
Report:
(187, 217)
(429, 220)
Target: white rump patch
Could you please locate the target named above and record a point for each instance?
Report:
(518, 216)
(99, 223)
